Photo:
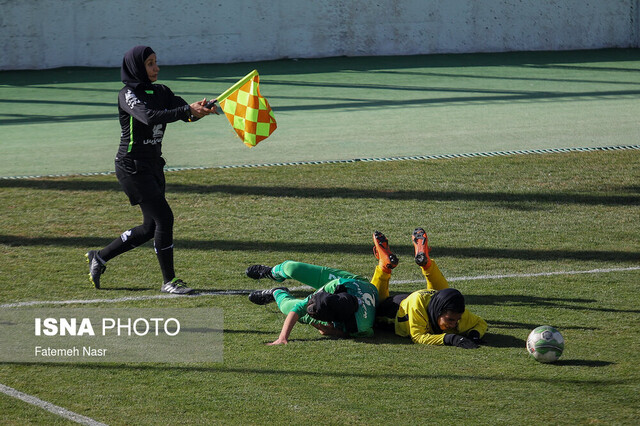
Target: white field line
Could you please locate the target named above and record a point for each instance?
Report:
(536, 274)
(62, 412)
(240, 292)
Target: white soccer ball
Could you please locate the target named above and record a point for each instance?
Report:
(545, 344)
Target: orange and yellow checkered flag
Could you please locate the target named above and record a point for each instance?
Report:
(247, 111)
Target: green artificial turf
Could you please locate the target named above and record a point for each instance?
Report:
(517, 217)
(64, 121)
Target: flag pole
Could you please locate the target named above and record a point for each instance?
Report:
(236, 86)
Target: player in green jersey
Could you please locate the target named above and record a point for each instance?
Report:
(343, 304)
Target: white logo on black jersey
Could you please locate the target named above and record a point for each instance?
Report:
(131, 99)
(157, 135)
(157, 131)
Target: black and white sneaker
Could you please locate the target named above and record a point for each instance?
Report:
(262, 297)
(176, 286)
(97, 267)
(259, 271)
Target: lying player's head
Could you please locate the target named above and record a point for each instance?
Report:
(445, 309)
(325, 306)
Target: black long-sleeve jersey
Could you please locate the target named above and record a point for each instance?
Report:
(144, 114)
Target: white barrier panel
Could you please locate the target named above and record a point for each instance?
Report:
(37, 34)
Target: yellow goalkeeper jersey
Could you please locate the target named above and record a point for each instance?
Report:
(412, 320)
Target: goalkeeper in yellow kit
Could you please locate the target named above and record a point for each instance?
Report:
(434, 316)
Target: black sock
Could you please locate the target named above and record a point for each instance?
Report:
(165, 258)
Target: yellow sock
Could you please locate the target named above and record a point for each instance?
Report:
(381, 281)
(435, 279)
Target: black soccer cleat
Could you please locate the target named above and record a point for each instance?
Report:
(259, 271)
(262, 297)
(97, 267)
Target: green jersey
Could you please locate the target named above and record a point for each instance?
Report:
(367, 296)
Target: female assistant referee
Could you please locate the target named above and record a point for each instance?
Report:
(145, 109)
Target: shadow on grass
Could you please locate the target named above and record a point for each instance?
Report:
(226, 330)
(250, 332)
(383, 375)
(536, 301)
(425, 66)
(385, 335)
(582, 363)
(506, 199)
(530, 326)
(84, 243)
(502, 340)
(127, 288)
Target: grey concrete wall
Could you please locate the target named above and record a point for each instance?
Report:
(52, 33)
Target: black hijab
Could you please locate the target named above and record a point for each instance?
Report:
(133, 71)
(339, 306)
(448, 299)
